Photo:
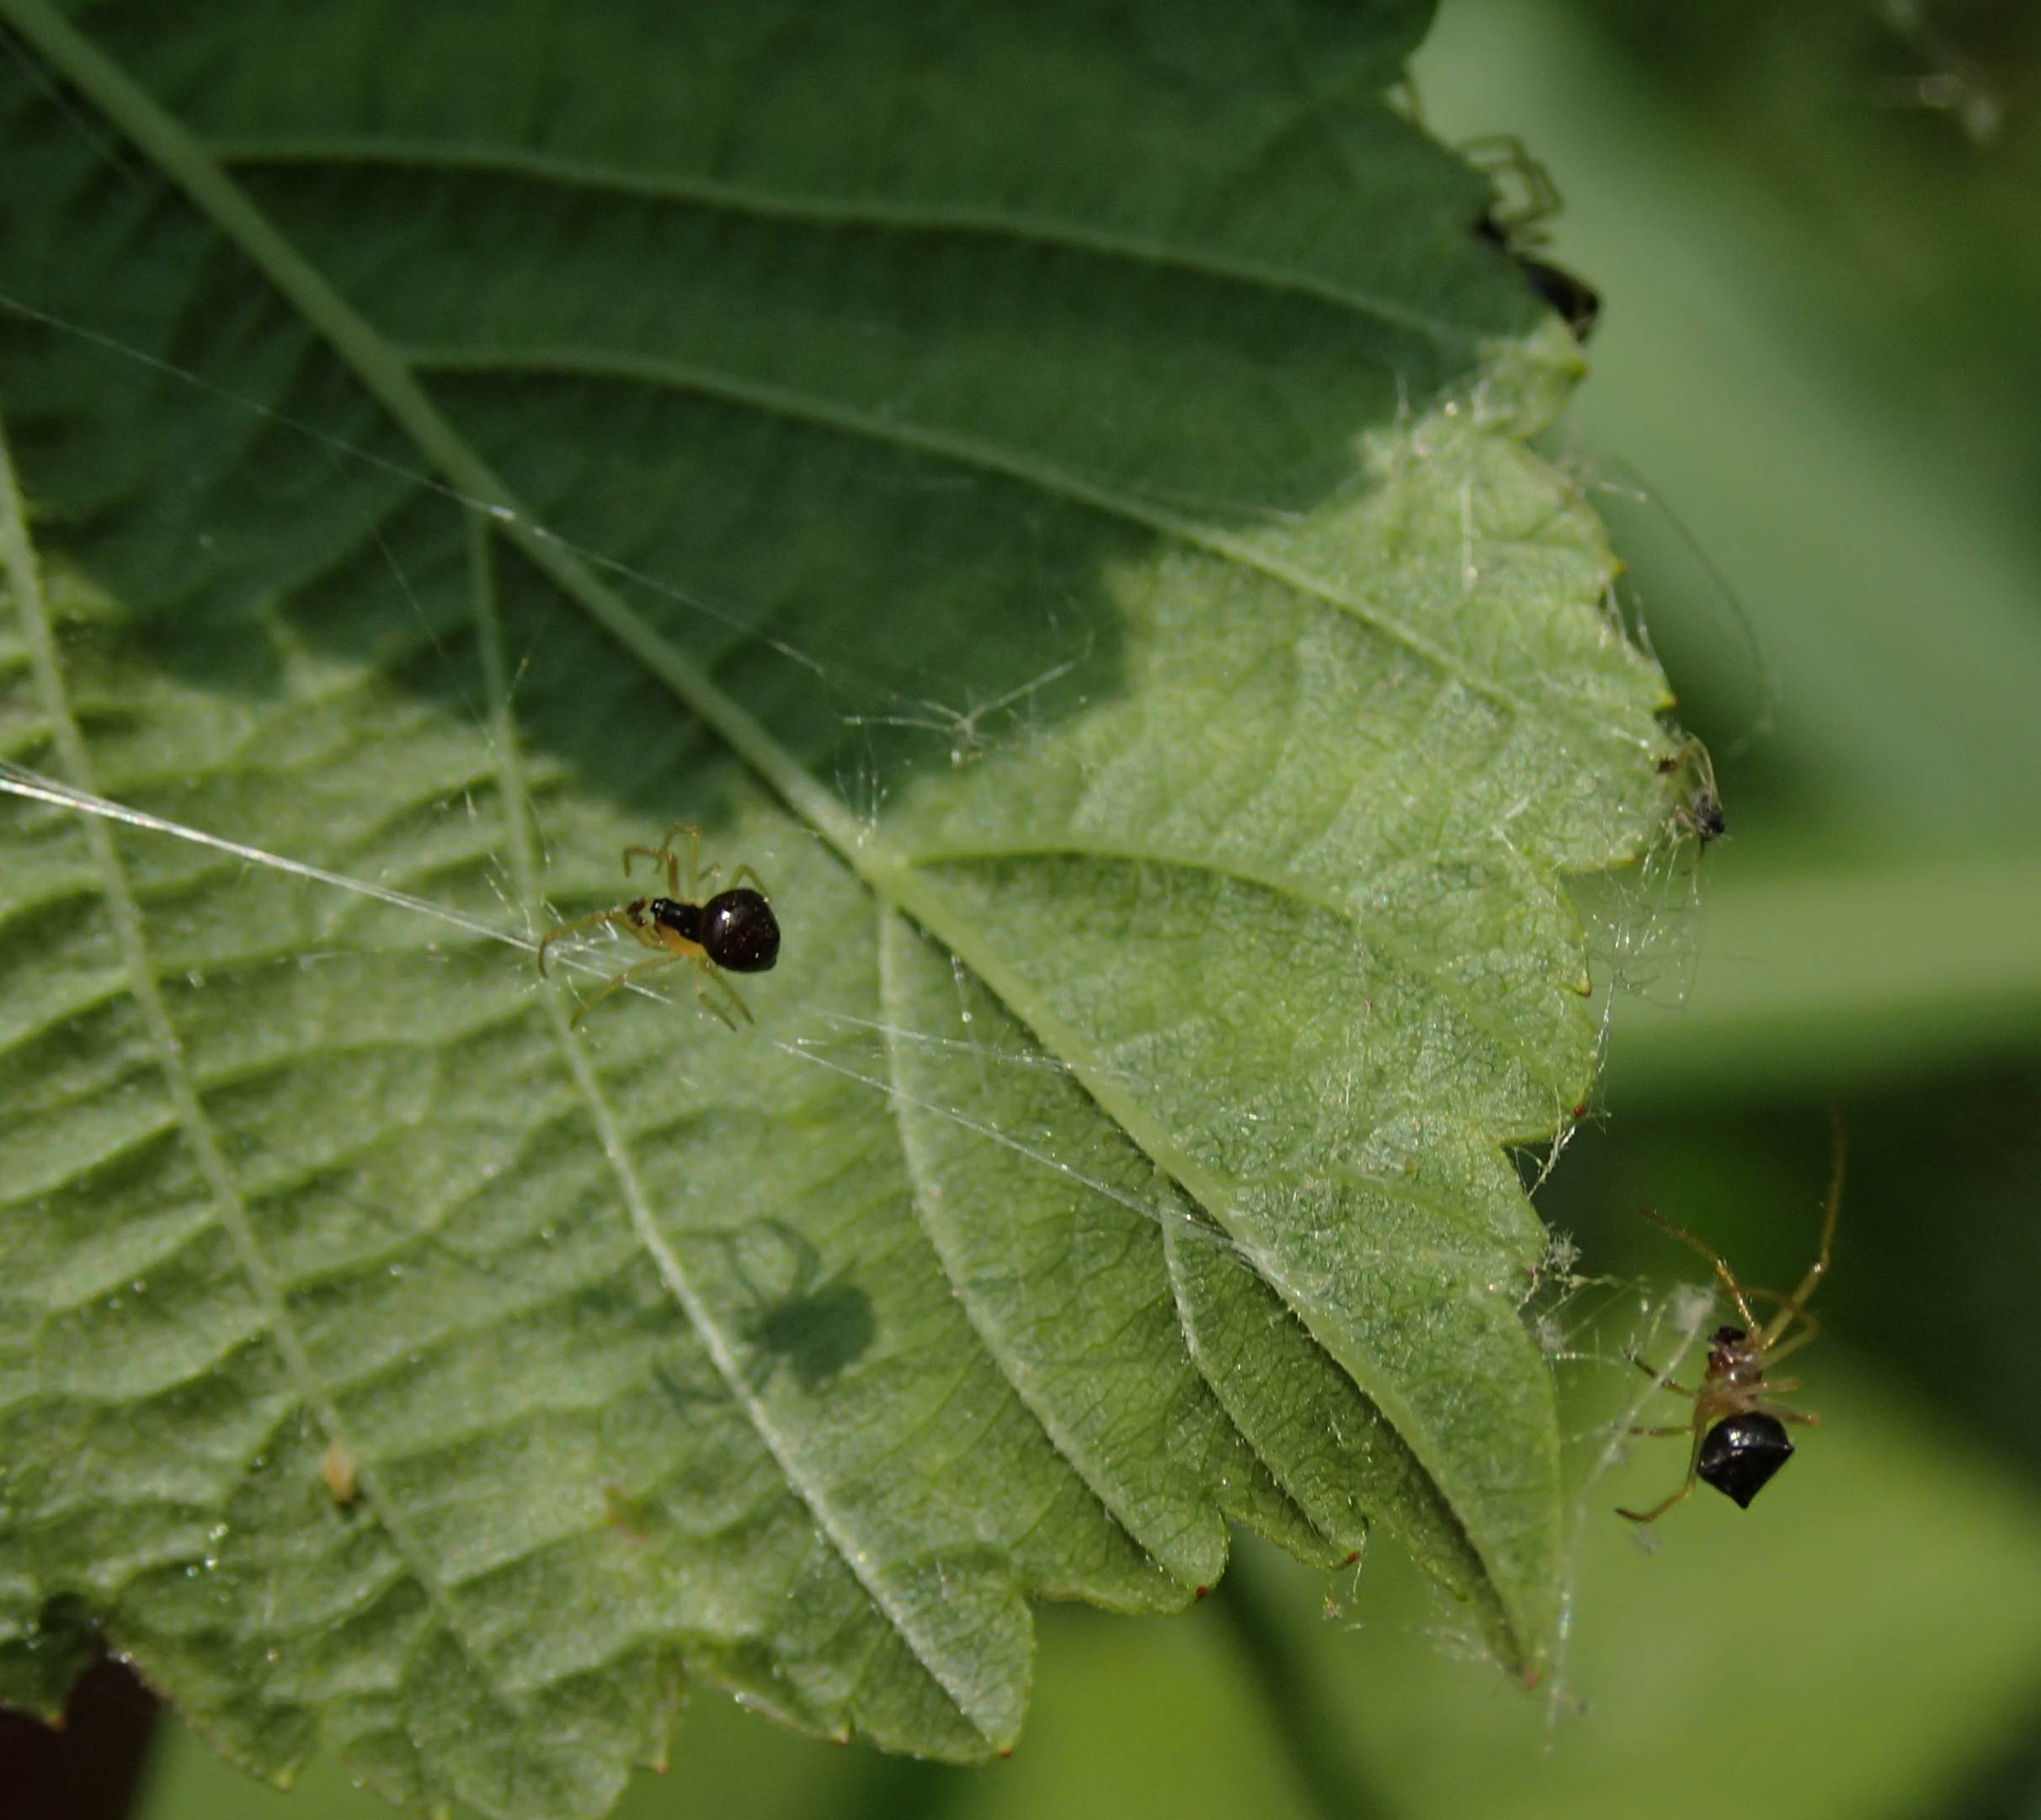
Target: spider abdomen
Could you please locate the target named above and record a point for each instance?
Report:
(1742, 1453)
(738, 931)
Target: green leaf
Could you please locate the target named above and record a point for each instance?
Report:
(1050, 493)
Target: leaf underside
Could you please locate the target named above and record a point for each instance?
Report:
(1050, 494)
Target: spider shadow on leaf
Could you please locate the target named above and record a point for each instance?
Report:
(788, 1314)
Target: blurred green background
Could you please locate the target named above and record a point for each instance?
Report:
(1817, 231)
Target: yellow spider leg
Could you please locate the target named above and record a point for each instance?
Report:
(1789, 1311)
(1693, 1473)
(1721, 1270)
(694, 874)
(662, 859)
(1773, 1354)
(699, 877)
(657, 855)
(621, 979)
(610, 917)
(705, 975)
(1651, 1370)
(1798, 1300)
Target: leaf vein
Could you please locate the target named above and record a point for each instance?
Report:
(576, 363)
(192, 1120)
(589, 174)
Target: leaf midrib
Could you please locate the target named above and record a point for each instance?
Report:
(383, 372)
(672, 1273)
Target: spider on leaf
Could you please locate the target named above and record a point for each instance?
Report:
(1524, 198)
(1739, 1432)
(733, 932)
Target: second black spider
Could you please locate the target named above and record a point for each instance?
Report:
(1516, 227)
(1738, 1429)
